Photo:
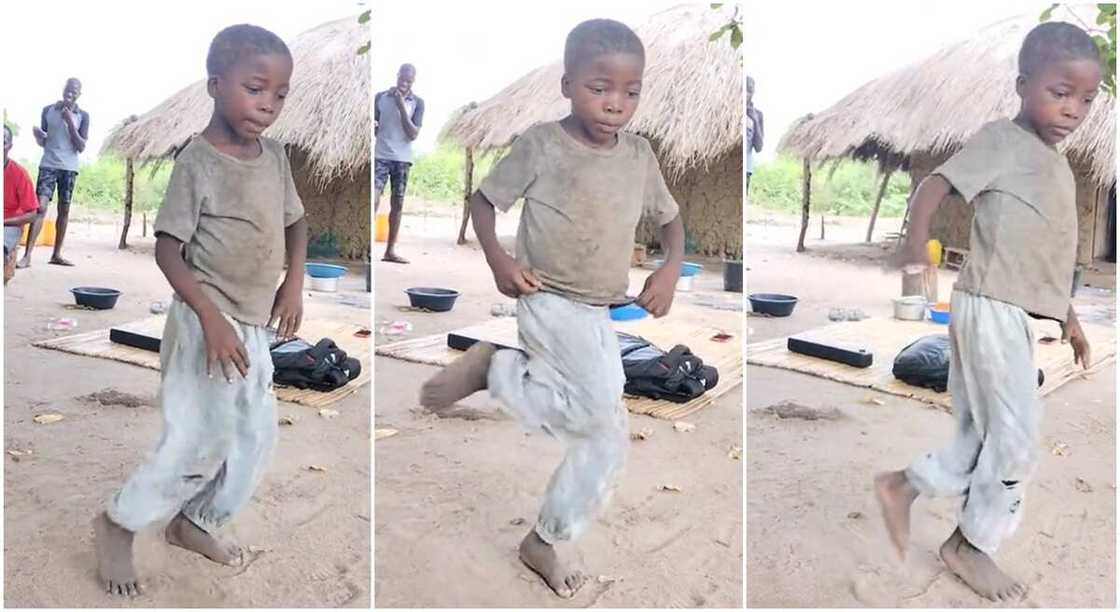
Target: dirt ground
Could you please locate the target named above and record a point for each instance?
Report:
(309, 530)
(814, 534)
(453, 497)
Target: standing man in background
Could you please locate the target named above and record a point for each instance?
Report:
(753, 136)
(397, 116)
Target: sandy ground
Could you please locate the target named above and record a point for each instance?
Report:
(309, 530)
(454, 496)
(813, 527)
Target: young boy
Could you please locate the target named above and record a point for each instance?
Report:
(20, 206)
(754, 135)
(586, 184)
(1022, 255)
(62, 132)
(230, 214)
(398, 114)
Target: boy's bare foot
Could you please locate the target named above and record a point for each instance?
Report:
(394, 258)
(895, 495)
(58, 261)
(541, 557)
(463, 377)
(978, 570)
(185, 534)
(114, 557)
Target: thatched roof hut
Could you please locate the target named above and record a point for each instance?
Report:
(691, 110)
(326, 125)
(917, 116)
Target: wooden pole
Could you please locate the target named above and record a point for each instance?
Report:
(468, 183)
(128, 176)
(806, 186)
(878, 201)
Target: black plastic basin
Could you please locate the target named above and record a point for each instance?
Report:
(773, 304)
(432, 298)
(100, 298)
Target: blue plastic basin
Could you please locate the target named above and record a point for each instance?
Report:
(322, 270)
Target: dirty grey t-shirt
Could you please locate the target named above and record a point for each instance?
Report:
(1023, 245)
(231, 214)
(582, 207)
(58, 150)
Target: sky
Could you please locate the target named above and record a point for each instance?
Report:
(802, 64)
(129, 55)
(473, 49)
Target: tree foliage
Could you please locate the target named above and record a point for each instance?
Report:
(733, 28)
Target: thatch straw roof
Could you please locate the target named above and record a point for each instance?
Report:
(326, 113)
(692, 100)
(936, 104)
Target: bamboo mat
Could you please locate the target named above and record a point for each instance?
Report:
(682, 328)
(887, 337)
(96, 344)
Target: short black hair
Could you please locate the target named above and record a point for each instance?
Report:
(1052, 42)
(73, 80)
(596, 37)
(237, 41)
(406, 67)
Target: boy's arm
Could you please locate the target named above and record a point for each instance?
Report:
(927, 198)
(287, 309)
(40, 131)
(511, 278)
(20, 219)
(78, 134)
(756, 137)
(410, 129)
(1075, 337)
(657, 294)
(222, 344)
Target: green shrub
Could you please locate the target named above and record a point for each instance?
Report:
(438, 175)
(849, 191)
(100, 185)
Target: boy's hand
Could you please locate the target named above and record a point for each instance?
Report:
(39, 133)
(1072, 335)
(287, 311)
(513, 280)
(657, 294)
(223, 347)
(912, 258)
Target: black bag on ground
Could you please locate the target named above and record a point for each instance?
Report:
(323, 367)
(677, 376)
(925, 363)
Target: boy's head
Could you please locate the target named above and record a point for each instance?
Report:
(603, 65)
(7, 142)
(249, 69)
(71, 92)
(1059, 77)
(406, 76)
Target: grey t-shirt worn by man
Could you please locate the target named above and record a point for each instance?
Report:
(393, 143)
(58, 150)
(231, 215)
(1023, 245)
(582, 207)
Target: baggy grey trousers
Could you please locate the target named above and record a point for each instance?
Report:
(217, 437)
(568, 382)
(993, 381)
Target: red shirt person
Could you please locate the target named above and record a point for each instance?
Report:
(20, 203)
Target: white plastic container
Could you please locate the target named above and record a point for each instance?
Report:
(684, 283)
(329, 285)
(910, 308)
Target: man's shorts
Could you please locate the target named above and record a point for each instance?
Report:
(49, 178)
(11, 238)
(395, 172)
